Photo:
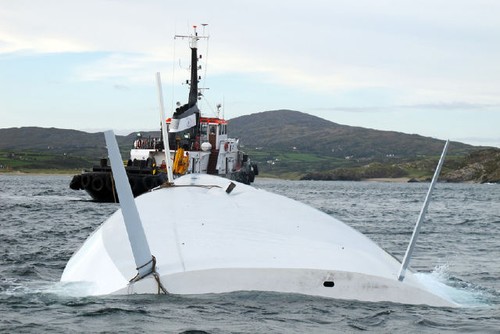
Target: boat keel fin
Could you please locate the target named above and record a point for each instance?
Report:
(145, 262)
(416, 231)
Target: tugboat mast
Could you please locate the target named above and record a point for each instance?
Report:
(193, 91)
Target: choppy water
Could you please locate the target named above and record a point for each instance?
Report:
(43, 222)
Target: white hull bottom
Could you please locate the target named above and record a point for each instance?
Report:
(248, 240)
(350, 286)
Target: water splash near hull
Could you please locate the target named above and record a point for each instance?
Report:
(465, 294)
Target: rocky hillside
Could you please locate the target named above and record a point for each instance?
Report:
(481, 166)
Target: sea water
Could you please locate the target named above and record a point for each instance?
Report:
(43, 222)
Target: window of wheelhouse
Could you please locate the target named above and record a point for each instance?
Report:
(185, 139)
(208, 133)
(222, 129)
(212, 135)
(213, 129)
(204, 132)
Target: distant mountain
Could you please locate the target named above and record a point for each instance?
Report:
(284, 143)
(36, 138)
(286, 129)
(74, 142)
(277, 130)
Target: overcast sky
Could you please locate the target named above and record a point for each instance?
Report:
(425, 67)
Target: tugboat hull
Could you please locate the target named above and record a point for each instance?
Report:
(100, 185)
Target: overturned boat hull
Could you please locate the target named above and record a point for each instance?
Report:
(215, 240)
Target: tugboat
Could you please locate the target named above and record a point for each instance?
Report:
(197, 144)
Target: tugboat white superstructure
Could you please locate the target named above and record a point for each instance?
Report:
(199, 143)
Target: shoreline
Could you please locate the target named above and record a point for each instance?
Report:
(266, 177)
(40, 172)
(391, 180)
(69, 172)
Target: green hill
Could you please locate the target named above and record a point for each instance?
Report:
(292, 144)
(35, 148)
(284, 143)
(287, 130)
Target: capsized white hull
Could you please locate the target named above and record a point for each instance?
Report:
(210, 241)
